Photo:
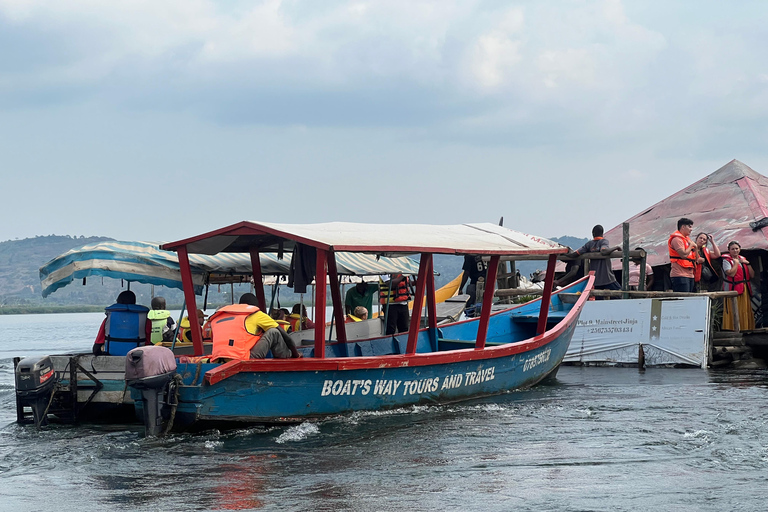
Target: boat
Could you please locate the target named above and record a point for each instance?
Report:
(502, 349)
(81, 387)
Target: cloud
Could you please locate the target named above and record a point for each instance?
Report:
(550, 73)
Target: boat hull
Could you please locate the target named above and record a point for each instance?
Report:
(275, 397)
(445, 368)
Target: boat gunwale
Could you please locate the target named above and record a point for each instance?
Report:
(231, 368)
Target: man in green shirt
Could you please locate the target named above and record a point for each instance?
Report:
(360, 295)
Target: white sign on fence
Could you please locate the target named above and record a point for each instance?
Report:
(671, 331)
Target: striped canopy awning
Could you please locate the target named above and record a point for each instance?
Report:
(144, 262)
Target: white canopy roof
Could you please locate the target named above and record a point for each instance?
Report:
(383, 239)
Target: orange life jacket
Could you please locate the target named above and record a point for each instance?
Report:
(697, 271)
(685, 262)
(231, 340)
(738, 280)
(399, 293)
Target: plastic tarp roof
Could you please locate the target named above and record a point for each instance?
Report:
(144, 262)
(722, 204)
(370, 238)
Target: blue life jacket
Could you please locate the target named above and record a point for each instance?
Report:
(125, 328)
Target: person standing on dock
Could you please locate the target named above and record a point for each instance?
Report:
(634, 273)
(738, 271)
(705, 274)
(604, 277)
(682, 256)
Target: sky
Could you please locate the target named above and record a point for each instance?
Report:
(159, 120)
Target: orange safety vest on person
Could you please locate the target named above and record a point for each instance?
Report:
(231, 340)
(687, 262)
(351, 319)
(287, 327)
(399, 293)
(697, 271)
(738, 280)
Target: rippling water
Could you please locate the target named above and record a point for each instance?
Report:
(596, 439)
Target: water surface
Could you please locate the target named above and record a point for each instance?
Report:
(597, 439)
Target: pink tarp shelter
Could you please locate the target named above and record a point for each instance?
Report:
(723, 204)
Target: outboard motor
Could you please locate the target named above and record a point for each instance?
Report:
(35, 382)
(151, 370)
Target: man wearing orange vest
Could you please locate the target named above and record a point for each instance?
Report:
(682, 256)
(242, 331)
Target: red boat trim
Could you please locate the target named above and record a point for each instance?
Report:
(400, 360)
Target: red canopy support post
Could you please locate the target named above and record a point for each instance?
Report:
(431, 304)
(320, 304)
(418, 302)
(546, 295)
(485, 313)
(338, 307)
(258, 282)
(189, 298)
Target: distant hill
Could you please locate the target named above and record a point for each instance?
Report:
(571, 241)
(20, 261)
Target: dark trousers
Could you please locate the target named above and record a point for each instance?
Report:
(398, 319)
(683, 284)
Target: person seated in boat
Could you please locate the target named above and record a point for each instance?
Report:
(358, 315)
(298, 319)
(279, 316)
(394, 295)
(162, 327)
(106, 330)
(242, 331)
(185, 333)
(360, 295)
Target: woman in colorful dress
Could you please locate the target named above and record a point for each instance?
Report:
(737, 273)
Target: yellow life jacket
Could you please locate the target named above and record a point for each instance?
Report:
(159, 319)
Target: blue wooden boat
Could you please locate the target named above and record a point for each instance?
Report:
(496, 352)
(82, 387)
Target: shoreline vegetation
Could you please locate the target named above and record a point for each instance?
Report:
(74, 308)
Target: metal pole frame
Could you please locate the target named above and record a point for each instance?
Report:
(320, 273)
(189, 298)
(485, 313)
(338, 311)
(418, 302)
(258, 282)
(546, 295)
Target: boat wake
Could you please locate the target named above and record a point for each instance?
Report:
(298, 432)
